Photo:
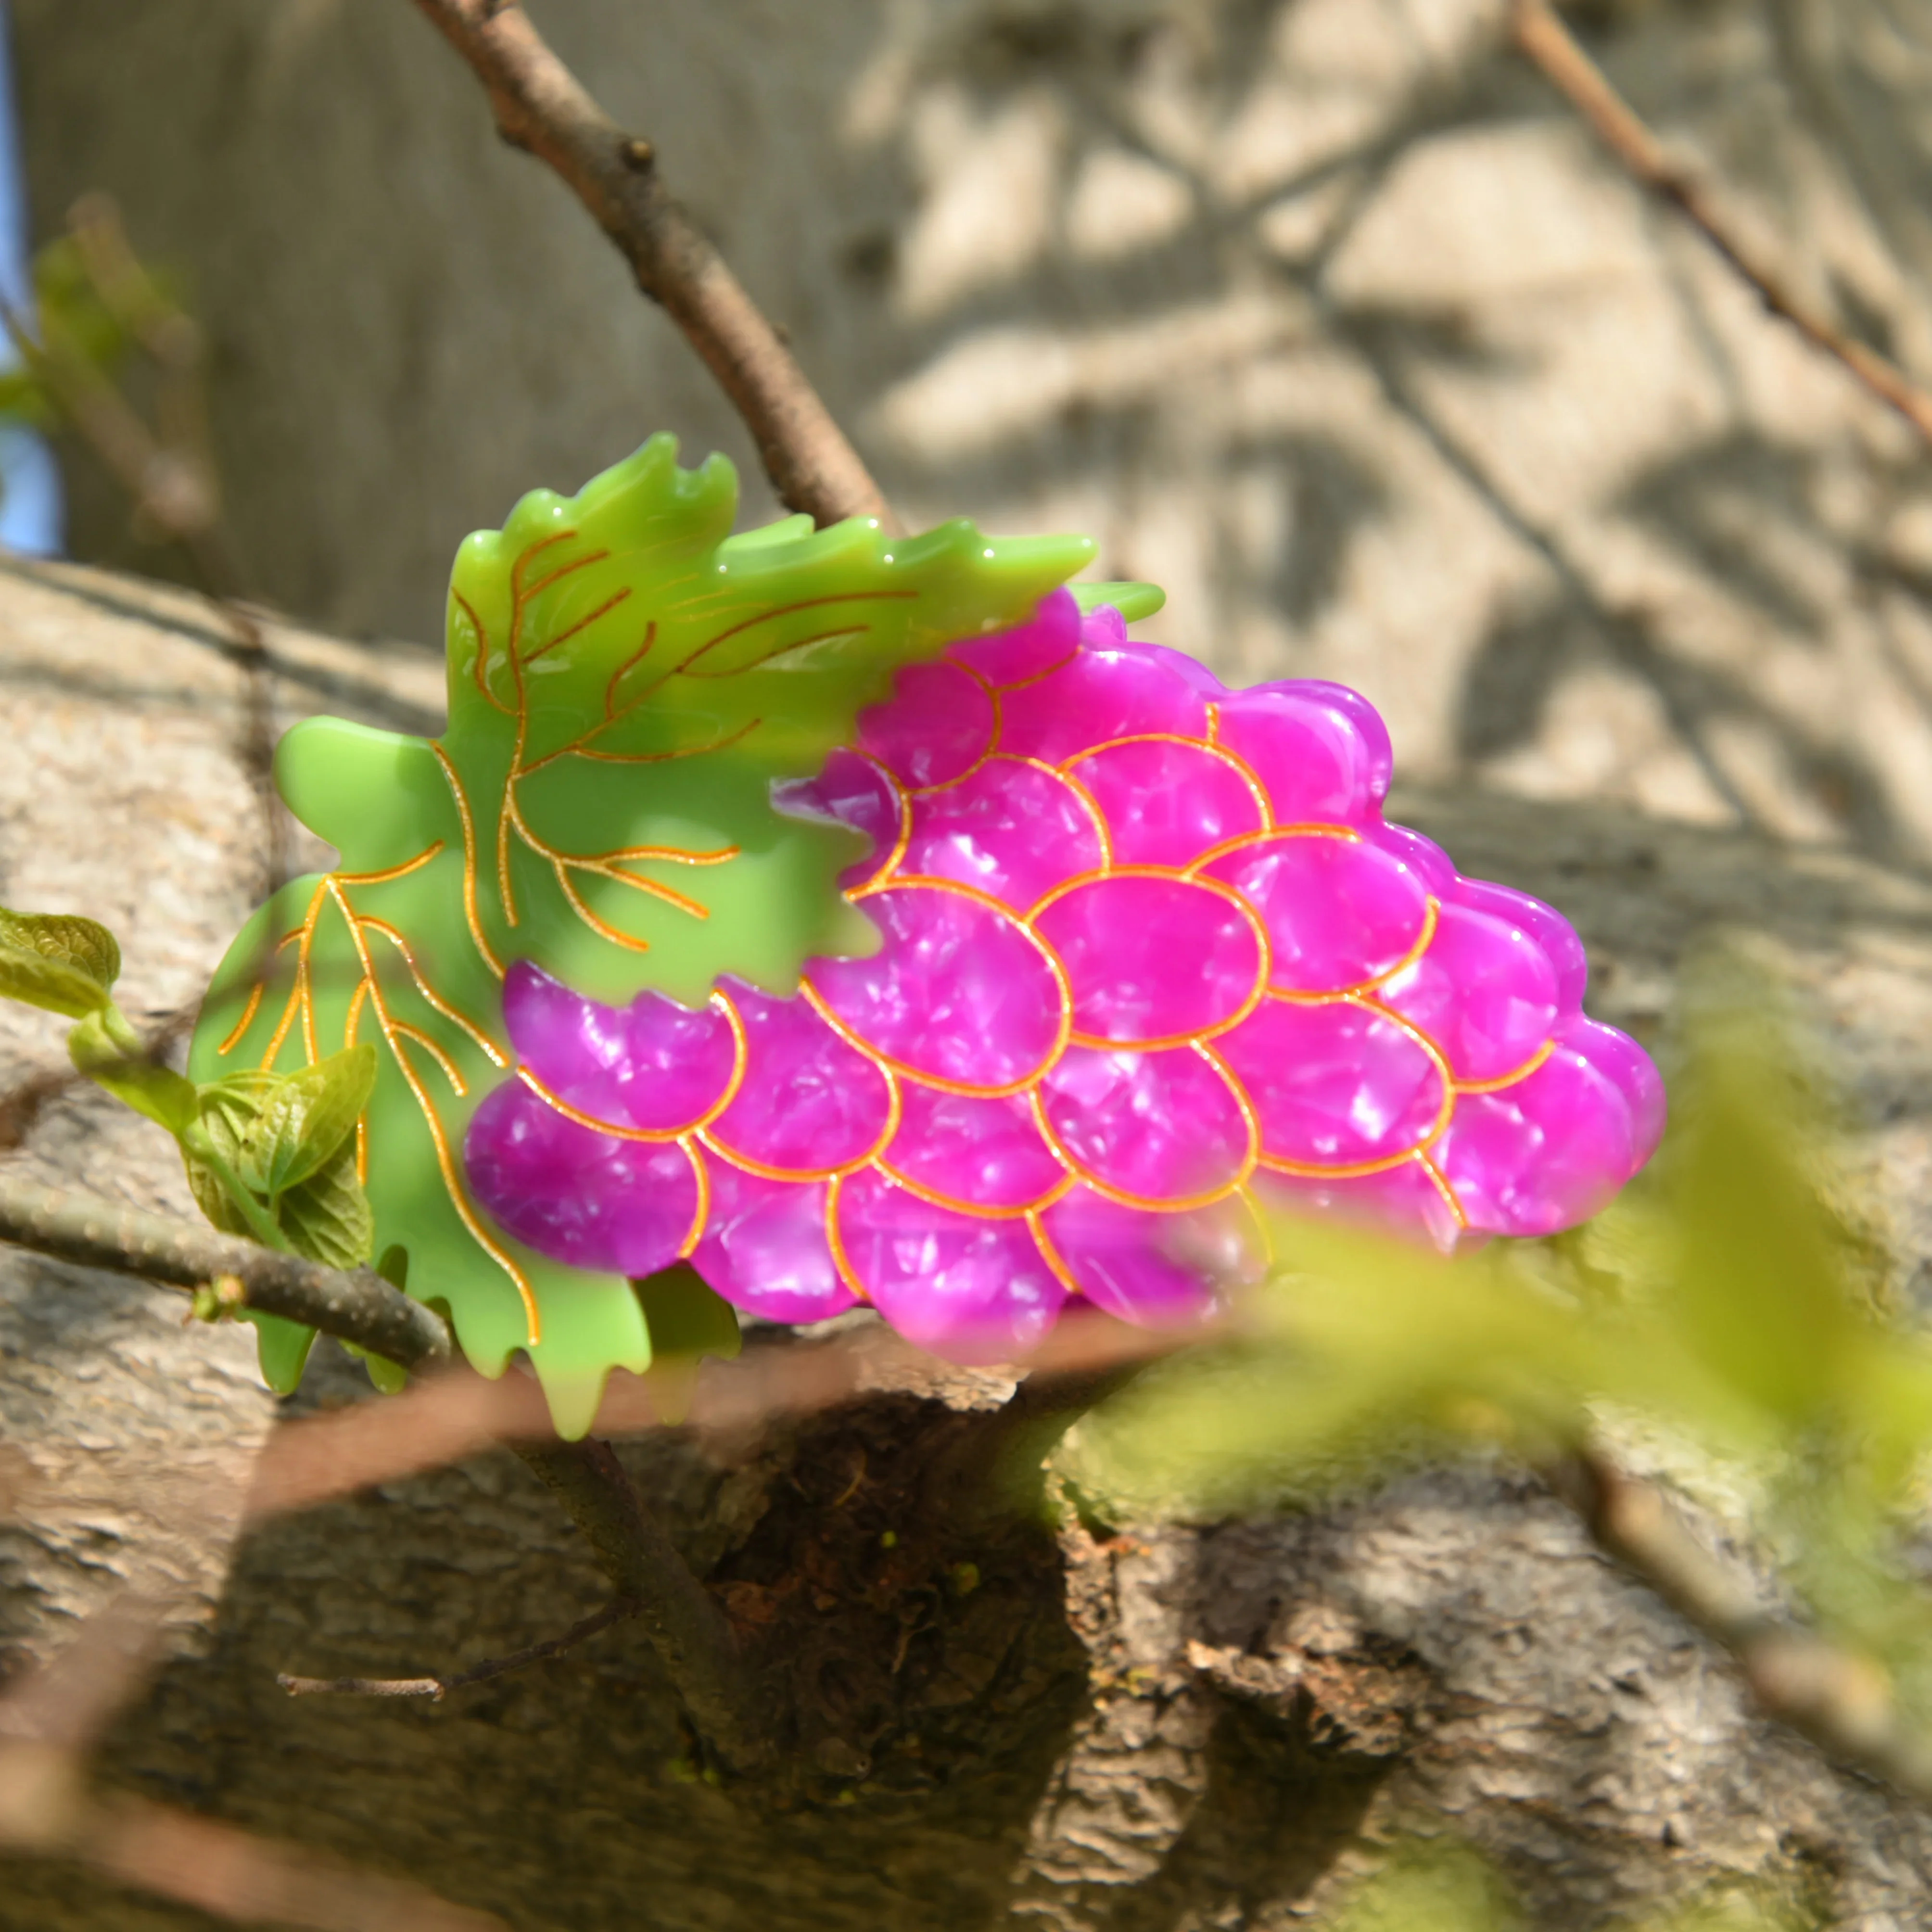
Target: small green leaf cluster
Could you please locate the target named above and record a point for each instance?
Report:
(270, 1156)
(289, 1141)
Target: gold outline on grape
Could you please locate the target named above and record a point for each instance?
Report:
(1444, 1113)
(656, 1136)
(888, 874)
(1162, 1205)
(1523, 1073)
(834, 1241)
(765, 1171)
(1242, 769)
(1296, 996)
(1251, 1001)
(993, 731)
(941, 1082)
(976, 1210)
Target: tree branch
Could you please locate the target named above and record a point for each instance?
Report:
(684, 1622)
(1842, 1702)
(359, 1307)
(1549, 46)
(542, 108)
(631, 1548)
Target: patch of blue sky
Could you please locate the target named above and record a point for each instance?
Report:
(30, 494)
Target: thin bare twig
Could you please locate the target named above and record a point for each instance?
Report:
(541, 106)
(437, 1688)
(1842, 1702)
(1550, 45)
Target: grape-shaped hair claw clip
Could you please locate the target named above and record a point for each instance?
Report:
(850, 917)
(1151, 958)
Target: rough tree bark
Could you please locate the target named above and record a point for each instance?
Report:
(1005, 1708)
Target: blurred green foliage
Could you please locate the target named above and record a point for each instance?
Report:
(1724, 1316)
(73, 318)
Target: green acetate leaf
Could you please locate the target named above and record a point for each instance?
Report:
(58, 961)
(1133, 601)
(304, 1118)
(687, 1316)
(387, 1377)
(281, 1347)
(627, 680)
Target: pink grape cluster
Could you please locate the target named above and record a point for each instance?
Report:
(1152, 959)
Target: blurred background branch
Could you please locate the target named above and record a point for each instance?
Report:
(1546, 41)
(540, 106)
(95, 304)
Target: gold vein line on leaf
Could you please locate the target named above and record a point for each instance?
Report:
(649, 887)
(583, 623)
(402, 871)
(772, 656)
(479, 664)
(507, 817)
(356, 1002)
(469, 824)
(671, 855)
(790, 610)
(451, 1180)
(429, 992)
(624, 670)
(601, 927)
(520, 598)
(667, 758)
(512, 820)
(242, 1025)
(458, 1083)
(297, 1001)
(607, 865)
(578, 749)
(557, 1104)
(530, 593)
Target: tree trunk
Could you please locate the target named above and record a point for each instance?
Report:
(1004, 1702)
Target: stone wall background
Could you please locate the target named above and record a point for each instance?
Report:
(1323, 313)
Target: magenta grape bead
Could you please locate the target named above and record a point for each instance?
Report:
(1152, 961)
